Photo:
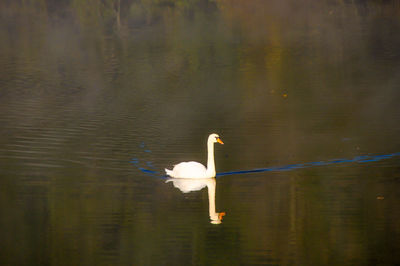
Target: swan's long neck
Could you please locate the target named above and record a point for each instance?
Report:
(210, 159)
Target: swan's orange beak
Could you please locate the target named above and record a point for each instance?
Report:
(219, 141)
(220, 215)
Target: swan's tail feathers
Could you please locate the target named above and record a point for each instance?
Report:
(168, 172)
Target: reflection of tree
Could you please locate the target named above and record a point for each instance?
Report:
(75, 59)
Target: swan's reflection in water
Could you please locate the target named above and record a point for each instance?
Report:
(187, 185)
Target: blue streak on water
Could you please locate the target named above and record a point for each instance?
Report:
(135, 161)
(150, 164)
(147, 171)
(357, 159)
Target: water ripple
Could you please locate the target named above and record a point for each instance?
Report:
(357, 159)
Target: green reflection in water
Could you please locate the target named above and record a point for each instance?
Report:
(83, 82)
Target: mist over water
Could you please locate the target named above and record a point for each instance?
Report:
(94, 92)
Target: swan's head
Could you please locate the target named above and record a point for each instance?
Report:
(215, 138)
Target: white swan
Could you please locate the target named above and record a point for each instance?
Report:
(195, 169)
(187, 185)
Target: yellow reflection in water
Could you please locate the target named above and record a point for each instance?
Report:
(187, 185)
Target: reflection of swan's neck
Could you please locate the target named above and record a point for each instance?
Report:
(215, 217)
(210, 159)
(211, 199)
(187, 185)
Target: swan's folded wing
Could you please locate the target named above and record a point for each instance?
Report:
(189, 170)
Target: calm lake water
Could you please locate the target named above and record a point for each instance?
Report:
(98, 97)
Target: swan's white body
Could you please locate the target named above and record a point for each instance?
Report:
(195, 169)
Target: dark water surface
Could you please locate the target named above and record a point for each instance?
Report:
(93, 92)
